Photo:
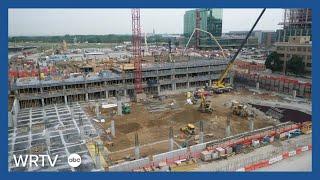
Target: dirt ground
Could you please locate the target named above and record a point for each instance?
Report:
(154, 126)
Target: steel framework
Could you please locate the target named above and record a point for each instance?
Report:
(136, 50)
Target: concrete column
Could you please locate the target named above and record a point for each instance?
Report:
(97, 110)
(228, 128)
(173, 86)
(294, 94)
(16, 106)
(113, 129)
(125, 92)
(107, 94)
(210, 82)
(97, 154)
(65, 100)
(251, 123)
(188, 85)
(171, 139)
(42, 102)
(257, 85)
(87, 97)
(201, 135)
(137, 147)
(119, 107)
(158, 89)
(10, 120)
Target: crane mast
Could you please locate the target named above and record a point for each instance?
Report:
(136, 50)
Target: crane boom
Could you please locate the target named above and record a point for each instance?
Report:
(225, 72)
(211, 36)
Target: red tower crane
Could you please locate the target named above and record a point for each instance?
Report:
(136, 50)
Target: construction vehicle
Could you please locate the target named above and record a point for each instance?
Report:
(294, 133)
(220, 86)
(205, 105)
(239, 109)
(306, 127)
(126, 108)
(189, 129)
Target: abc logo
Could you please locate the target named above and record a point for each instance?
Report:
(74, 160)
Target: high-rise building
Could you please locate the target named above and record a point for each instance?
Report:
(210, 20)
(295, 39)
(297, 22)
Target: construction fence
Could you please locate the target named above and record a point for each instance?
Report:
(130, 165)
(266, 158)
(182, 154)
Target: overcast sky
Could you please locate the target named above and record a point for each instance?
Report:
(36, 22)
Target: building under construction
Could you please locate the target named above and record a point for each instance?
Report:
(139, 113)
(158, 79)
(295, 39)
(296, 22)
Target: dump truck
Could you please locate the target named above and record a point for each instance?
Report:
(189, 129)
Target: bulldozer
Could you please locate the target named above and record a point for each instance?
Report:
(205, 105)
(239, 109)
(188, 130)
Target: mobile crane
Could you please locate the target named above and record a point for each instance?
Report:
(220, 86)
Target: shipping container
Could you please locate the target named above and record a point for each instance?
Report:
(205, 155)
(221, 151)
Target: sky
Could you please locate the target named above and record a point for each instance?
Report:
(39, 22)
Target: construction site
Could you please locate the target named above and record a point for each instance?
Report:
(152, 108)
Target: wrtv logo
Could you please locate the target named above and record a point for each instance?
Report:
(34, 160)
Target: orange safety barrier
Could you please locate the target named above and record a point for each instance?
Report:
(285, 155)
(298, 150)
(261, 164)
(249, 168)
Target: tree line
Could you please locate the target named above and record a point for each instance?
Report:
(110, 38)
(295, 65)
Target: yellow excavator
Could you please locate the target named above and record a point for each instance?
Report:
(205, 105)
(188, 130)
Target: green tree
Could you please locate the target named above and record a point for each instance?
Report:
(273, 62)
(296, 65)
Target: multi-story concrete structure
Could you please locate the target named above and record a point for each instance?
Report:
(296, 38)
(228, 42)
(297, 22)
(296, 46)
(264, 38)
(210, 20)
(158, 79)
(268, 38)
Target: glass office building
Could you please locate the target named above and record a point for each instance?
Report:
(211, 20)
